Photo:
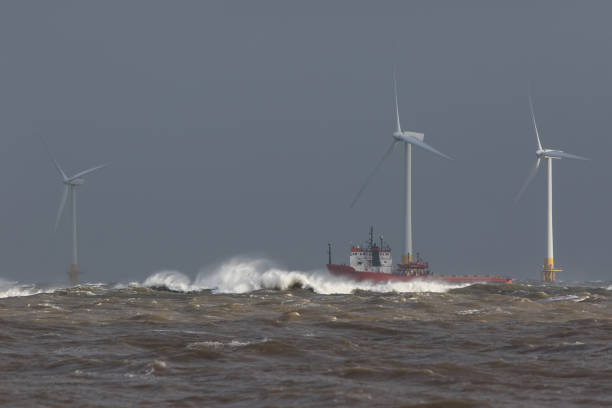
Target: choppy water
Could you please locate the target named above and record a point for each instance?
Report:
(248, 334)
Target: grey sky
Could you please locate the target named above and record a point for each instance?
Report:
(237, 128)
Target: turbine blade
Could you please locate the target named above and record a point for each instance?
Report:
(60, 210)
(84, 172)
(57, 166)
(565, 155)
(530, 177)
(534, 123)
(414, 141)
(398, 126)
(369, 178)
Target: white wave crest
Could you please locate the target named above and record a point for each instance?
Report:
(172, 280)
(241, 275)
(217, 344)
(15, 289)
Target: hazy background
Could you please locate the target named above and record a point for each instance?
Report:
(245, 128)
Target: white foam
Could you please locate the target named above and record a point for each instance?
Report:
(558, 298)
(217, 344)
(172, 280)
(205, 344)
(156, 366)
(469, 311)
(15, 289)
(126, 285)
(242, 275)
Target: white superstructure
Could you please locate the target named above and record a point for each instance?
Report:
(362, 260)
(372, 257)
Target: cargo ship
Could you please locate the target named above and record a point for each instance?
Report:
(373, 262)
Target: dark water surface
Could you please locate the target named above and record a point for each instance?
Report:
(498, 346)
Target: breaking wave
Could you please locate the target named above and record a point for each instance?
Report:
(240, 275)
(14, 289)
(172, 280)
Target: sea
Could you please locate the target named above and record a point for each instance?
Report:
(250, 334)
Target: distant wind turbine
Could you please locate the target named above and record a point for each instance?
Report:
(408, 139)
(70, 183)
(548, 270)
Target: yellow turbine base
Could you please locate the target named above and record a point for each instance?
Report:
(406, 259)
(73, 274)
(549, 272)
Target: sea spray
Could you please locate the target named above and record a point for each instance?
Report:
(171, 280)
(15, 289)
(243, 275)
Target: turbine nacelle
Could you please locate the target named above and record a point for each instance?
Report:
(546, 153)
(75, 182)
(408, 137)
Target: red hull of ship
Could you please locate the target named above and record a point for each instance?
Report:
(349, 272)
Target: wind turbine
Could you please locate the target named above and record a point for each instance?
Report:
(408, 139)
(71, 183)
(548, 270)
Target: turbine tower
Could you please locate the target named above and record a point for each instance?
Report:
(548, 269)
(408, 139)
(71, 183)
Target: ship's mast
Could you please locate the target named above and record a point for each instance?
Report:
(371, 236)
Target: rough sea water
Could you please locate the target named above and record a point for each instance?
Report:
(248, 334)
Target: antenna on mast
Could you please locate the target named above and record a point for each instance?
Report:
(329, 261)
